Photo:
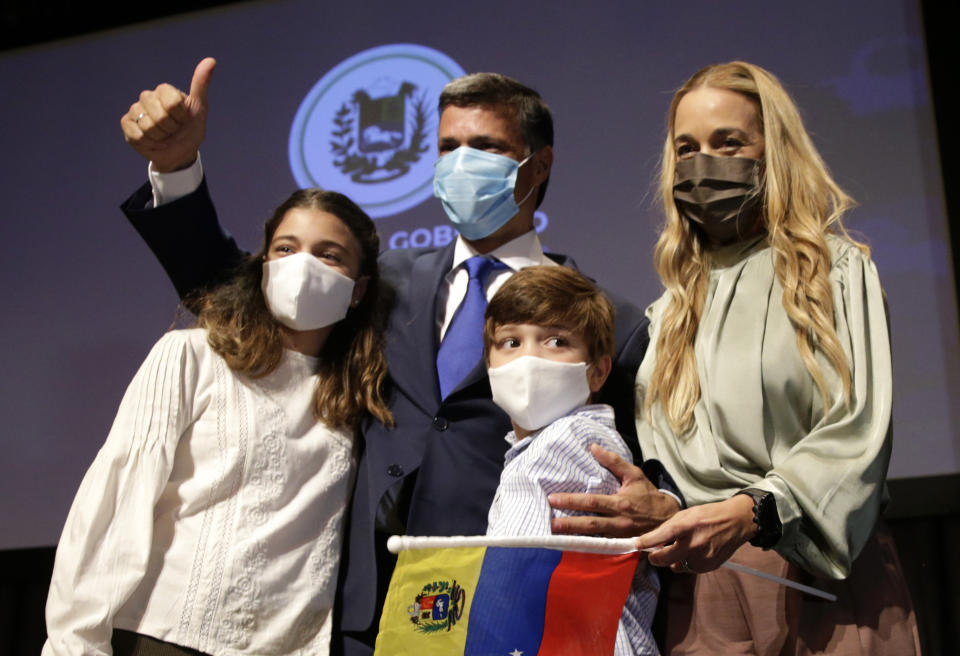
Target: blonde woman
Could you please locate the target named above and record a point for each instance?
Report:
(211, 520)
(766, 390)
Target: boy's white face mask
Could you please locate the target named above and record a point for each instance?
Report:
(535, 391)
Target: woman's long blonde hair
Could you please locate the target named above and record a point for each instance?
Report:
(352, 364)
(801, 205)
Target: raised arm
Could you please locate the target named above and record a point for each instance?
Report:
(167, 126)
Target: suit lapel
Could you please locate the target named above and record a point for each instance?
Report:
(478, 373)
(412, 340)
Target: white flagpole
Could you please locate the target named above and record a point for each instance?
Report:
(398, 543)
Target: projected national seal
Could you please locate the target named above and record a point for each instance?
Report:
(367, 128)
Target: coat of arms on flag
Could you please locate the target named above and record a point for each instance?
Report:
(438, 611)
(482, 595)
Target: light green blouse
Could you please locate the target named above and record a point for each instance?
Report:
(760, 421)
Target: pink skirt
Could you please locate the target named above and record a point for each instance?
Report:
(726, 612)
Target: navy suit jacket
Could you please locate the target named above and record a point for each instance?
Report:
(436, 472)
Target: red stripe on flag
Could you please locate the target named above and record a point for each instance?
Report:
(584, 601)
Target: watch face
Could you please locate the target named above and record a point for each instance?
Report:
(769, 528)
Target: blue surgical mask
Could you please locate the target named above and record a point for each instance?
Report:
(476, 189)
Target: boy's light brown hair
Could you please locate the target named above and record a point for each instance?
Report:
(554, 296)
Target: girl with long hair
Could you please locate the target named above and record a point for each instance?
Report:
(766, 390)
(211, 519)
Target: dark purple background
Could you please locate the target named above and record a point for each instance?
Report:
(86, 300)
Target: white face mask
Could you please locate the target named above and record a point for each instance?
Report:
(303, 293)
(535, 391)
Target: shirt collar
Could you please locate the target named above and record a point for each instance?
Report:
(518, 253)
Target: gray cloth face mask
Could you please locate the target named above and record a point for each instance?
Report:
(722, 195)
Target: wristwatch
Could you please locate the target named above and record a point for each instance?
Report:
(765, 516)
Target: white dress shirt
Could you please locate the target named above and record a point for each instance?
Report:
(168, 187)
(524, 251)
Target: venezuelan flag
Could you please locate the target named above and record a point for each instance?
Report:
(505, 600)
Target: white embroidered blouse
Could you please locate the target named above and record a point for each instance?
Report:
(212, 516)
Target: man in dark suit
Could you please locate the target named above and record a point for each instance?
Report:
(435, 473)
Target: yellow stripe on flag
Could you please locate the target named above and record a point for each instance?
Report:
(428, 602)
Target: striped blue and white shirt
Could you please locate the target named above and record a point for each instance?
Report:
(557, 458)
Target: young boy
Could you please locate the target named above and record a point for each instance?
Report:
(548, 339)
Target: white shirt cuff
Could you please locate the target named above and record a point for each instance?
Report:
(675, 497)
(168, 187)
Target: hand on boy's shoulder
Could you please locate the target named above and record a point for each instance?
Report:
(636, 508)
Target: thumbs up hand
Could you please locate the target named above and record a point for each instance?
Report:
(167, 126)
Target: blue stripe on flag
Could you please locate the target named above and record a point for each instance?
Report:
(509, 605)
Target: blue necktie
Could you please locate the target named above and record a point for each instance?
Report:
(462, 346)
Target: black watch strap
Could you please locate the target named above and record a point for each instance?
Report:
(765, 516)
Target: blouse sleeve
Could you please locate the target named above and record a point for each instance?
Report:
(829, 485)
(105, 545)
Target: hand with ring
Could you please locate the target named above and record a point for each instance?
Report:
(167, 126)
